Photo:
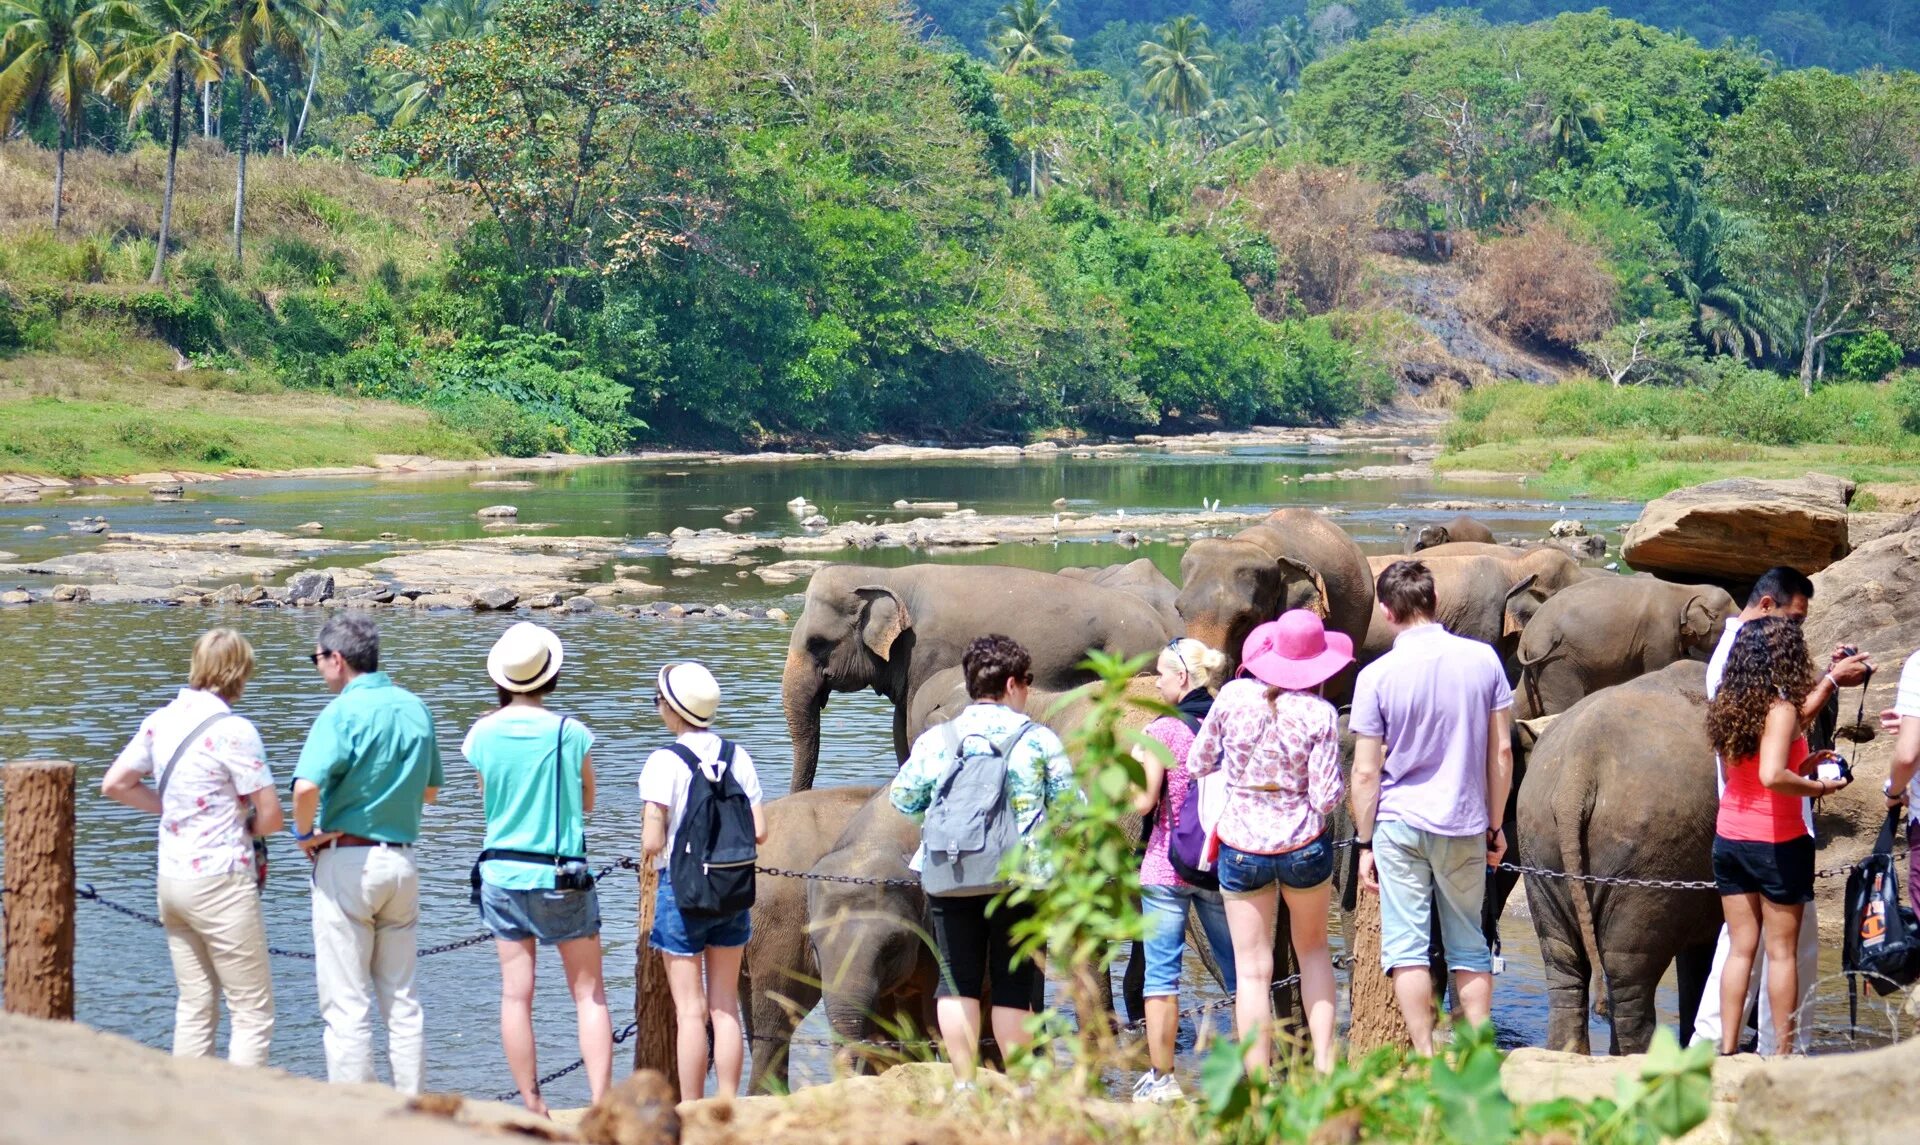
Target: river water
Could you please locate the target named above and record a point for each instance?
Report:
(78, 679)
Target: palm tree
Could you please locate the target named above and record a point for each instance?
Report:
(446, 20)
(159, 47)
(1176, 65)
(1289, 49)
(1024, 34)
(1261, 120)
(243, 28)
(1732, 315)
(51, 49)
(1572, 121)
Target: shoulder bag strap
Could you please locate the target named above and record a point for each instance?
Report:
(1888, 830)
(559, 784)
(166, 773)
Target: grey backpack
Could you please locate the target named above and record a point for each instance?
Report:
(970, 824)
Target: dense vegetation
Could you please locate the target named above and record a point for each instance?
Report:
(760, 219)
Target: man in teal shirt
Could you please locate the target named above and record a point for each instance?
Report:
(369, 765)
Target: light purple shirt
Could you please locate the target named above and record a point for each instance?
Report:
(1428, 700)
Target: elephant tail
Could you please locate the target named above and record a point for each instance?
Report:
(1530, 671)
(1571, 807)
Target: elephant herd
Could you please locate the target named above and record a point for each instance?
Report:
(1616, 774)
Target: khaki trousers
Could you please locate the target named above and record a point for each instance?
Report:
(218, 943)
(366, 907)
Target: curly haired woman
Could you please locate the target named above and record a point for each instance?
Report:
(1762, 853)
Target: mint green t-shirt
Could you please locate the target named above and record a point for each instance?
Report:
(372, 755)
(513, 750)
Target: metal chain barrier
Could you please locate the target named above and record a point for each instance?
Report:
(542, 1083)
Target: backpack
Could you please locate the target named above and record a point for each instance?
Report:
(1883, 936)
(712, 865)
(970, 825)
(1186, 836)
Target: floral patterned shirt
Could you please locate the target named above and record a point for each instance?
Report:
(1156, 870)
(1282, 763)
(203, 825)
(1038, 771)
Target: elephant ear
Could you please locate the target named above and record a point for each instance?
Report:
(1530, 731)
(1696, 621)
(1523, 600)
(1318, 606)
(885, 618)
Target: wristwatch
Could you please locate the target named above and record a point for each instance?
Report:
(1363, 844)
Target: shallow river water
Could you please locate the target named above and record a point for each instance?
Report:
(77, 680)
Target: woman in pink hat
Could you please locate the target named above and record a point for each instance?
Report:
(1278, 740)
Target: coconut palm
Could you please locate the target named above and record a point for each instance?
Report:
(1289, 49)
(1571, 121)
(159, 49)
(1177, 64)
(1737, 316)
(1261, 119)
(242, 30)
(1025, 34)
(446, 20)
(50, 49)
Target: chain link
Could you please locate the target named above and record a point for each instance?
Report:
(541, 1084)
(851, 880)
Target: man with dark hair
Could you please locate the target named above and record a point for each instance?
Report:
(369, 764)
(975, 945)
(1788, 592)
(1432, 767)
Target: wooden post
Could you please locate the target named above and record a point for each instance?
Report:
(1376, 1013)
(654, 1044)
(39, 879)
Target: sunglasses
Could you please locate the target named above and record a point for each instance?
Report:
(315, 656)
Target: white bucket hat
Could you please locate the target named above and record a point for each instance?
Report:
(525, 657)
(690, 690)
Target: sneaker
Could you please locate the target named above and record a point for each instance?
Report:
(1164, 1090)
(1145, 1082)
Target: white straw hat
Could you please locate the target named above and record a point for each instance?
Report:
(690, 690)
(525, 657)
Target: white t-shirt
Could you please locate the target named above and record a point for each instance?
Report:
(203, 827)
(666, 778)
(1906, 705)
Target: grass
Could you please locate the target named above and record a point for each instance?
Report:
(102, 402)
(1587, 438)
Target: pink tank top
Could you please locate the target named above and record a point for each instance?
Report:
(1751, 813)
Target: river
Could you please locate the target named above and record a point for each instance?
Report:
(79, 678)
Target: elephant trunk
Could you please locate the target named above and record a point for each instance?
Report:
(803, 694)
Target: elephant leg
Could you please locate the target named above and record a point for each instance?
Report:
(772, 1015)
(900, 744)
(1632, 978)
(1691, 970)
(1567, 968)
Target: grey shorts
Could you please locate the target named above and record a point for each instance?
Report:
(551, 917)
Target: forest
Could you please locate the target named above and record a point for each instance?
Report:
(764, 221)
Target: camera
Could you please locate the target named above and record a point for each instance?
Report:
(1831, 767)
(574, 876)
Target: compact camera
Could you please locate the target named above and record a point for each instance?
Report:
(572, 877)
(1831, 767)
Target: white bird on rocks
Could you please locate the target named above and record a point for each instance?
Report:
(1119, 512)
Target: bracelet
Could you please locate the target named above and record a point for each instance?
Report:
(299, 838)
(1363, 844)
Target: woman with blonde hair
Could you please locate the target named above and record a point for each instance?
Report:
(214, 796)
(1186, 672)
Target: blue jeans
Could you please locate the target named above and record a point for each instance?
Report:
(552, 917)
(1413, 865)
(1301, 869)
(674, 933)
(1166, 911)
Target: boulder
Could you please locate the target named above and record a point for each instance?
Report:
(1567, 529)
(815, 521)
(16, 596)
(170, 490)
(580, 604)
(311, 527)
(721, 611)
(779, 614)
(228, 521)
(544, 600)
(309, 587)
(1836, 1099)
(640, 1110)
(33, 528)
(431, 600)
(495, 512)
(1872, 599)
(72, 593)
(746, 511)
(495, 598)
(1736, 529)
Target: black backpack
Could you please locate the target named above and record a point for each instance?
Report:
(1883, 935)
(712, 866)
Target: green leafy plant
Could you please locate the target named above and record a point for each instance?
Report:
(1869, 356)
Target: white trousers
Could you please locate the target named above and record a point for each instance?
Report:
(366, 907)
(218, 944)
(1707, 1025)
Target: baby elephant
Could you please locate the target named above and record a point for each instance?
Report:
(1609, 630)
(1461, 528)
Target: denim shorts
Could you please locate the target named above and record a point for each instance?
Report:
(1166, 911)
(1301, 869)
(1412, 866)
(551, 917)
(674, 933)
(1778, 872)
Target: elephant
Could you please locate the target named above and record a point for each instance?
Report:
(1554, 569)
(873, 944)
(778, 977)
(890, 629)
(1621, 785)
(1461, 528)
(1477, 597)
(1296, 558)
(1144, 579)
(1607, 631)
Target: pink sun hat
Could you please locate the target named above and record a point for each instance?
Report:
(1295, 652)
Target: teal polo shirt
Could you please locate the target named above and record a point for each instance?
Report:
(372, 755)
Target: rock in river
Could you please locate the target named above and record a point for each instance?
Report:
(150, 567)
(496, 512)
(16, 596)
(310, 587)
(1736, 529)
(495, 598)
(472, 567)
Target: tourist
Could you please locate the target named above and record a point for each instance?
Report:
(974, 945)
(1903, 779)
(1786, 592)
(214, 797)
(1278, 740)
(1762, 849)
(1432, 767)
(1186, 668)
(532, 882)
(369, 764)
(686, 697)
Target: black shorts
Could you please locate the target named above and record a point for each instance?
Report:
(975, 946)
(1780, 872)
